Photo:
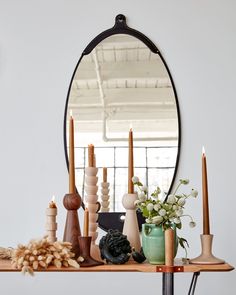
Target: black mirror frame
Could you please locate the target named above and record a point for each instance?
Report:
(121, 27)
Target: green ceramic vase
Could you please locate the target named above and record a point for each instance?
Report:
(153, 243)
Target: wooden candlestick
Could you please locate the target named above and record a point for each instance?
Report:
(51, 225)
(105, 197)
(131, 228)
(206, 223)
(86, 222)
(91, 198)
(206, 256)
(91, 155)
(72, 203)
(130, 164)
(85, 245)
(71, 158)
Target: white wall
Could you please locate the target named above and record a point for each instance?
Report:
(40, 43)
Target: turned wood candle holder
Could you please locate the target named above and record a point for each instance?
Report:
(206, 256)
(85, 248)
(93, 206)
(51, 225)
(105, 197)
(131, 229)
(72, 203)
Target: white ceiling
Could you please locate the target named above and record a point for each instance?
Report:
(121, 82)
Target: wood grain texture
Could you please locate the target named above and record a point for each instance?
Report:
(72, 231)
(5, 266)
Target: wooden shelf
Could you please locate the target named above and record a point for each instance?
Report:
(5, 266)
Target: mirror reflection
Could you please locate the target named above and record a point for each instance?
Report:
(119, 85)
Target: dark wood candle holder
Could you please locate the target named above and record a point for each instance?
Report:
(85, 245)
(72, 203)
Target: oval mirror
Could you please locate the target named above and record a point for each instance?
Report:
(122, 80)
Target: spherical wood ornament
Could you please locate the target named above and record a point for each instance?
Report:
(72, 201)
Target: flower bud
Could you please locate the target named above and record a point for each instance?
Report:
(150, 207)
(135, 179)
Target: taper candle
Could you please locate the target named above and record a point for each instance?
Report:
(71, 157)
(131, 164)
(86, 222)
(206, 224)
(104, 170)
(90, 155)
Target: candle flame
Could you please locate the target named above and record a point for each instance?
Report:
(71, 113)
(203, 150)
(53, 199)
(130, 127)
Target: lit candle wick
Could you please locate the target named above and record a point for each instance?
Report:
(203, 150)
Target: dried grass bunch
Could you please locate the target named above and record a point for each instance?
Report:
(41, 254)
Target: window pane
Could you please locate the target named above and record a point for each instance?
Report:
(121, 157)
(161, 178)
(121, 178)
(140, 157)
(161, 157)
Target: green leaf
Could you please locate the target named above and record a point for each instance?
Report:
(179, 225)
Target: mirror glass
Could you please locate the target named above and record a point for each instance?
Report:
(121, 84)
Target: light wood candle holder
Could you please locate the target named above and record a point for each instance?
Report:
(72, 203)
(105, 197)
(51, 225)
(206, 256)
(131, 229)
(93, 206)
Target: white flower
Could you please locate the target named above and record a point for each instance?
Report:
(150, 206)
(194, 193)
(174, 207)
(144, 188)
(181, 201)
(142, 197)
(137, 202)
(184, 181)
(192, 224)
(147, 220)
(171, 219)
(162, 212)
(135, 179)
(157, 219)
(179, 212)
(177, 220)
(171, 199)
(157, 207)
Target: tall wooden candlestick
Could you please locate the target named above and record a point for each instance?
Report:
(206, 256)
(206, 223)
(72, 201)
(71, 158)
(130, 228)
(130, 164)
